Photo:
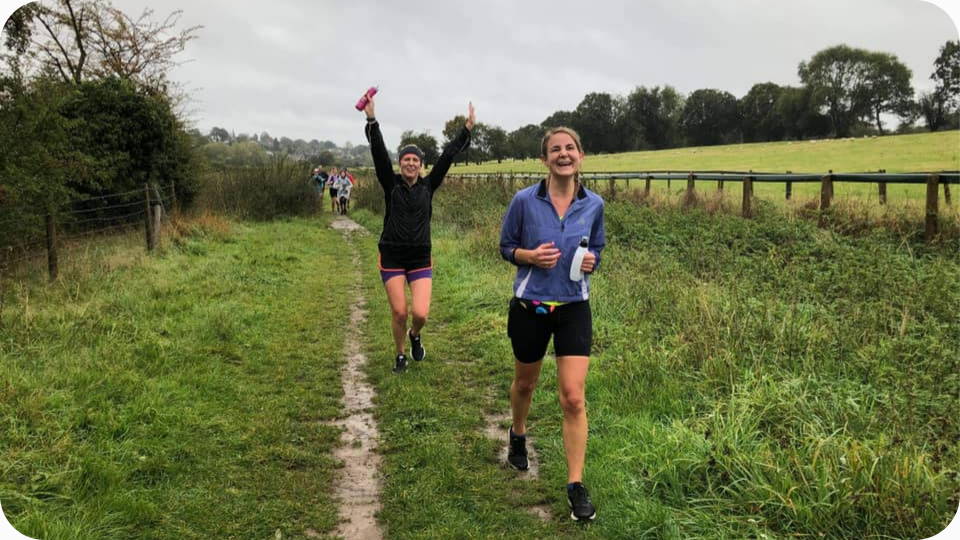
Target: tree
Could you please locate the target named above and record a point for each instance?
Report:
(81, 38)
(947, 71)
(595, 120)
(888, 88)
(839, 78)
(425, 141)
(710, 117)
(141, 50)
(651, 116)
(557, 119)
(800, 116)
(941, 108)
(127, 136)
(219, 134)
(36, 159)
(497, 143)
(759, 119)
(524, 142)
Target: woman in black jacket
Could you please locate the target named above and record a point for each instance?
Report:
(404, 245)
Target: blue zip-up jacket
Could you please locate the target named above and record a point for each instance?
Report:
(530, 221)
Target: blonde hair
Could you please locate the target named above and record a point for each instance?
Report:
(560, 129)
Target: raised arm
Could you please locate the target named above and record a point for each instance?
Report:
(458, 144)
(381, 158)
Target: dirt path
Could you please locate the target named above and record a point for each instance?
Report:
(358, 485)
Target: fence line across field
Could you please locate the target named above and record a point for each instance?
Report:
(931, 179)
(154, 205)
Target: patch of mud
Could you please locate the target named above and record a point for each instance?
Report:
(343, 223)
(358, 486)
(496, 429)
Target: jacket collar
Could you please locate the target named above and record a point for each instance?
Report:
(542, 190)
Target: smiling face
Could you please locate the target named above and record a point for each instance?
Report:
(410, 167)
(562, 153)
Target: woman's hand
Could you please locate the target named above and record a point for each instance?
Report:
(544, 256)
(369, 108)
(471, 118)
(589, 262)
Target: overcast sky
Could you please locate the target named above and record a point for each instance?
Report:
(295, 68)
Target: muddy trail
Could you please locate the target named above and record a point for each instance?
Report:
(359, 483)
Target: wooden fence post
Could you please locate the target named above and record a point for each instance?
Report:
(158, 212)
(690, 197)
(646, 187)
(882, 188)
(789, 193)
(946, 193)
(932, 207)
(826, 192)
(745, 209)
(148, 220)
(720, 186)
(53, 259)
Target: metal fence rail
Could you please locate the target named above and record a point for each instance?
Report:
(933, 180)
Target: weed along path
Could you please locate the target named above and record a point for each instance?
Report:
(358, 486)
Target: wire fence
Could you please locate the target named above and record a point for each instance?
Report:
(29, 237)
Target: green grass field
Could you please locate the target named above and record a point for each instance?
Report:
(751, 378)
(922, 152)
(179, 396)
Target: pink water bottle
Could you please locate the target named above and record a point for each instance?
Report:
(364, 99)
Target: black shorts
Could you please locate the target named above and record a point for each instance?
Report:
(571, 326)
(413, 262)
(333, 193)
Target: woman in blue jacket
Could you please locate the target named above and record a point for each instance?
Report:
(541, 231)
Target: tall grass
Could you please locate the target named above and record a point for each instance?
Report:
(181, 397)
(280, 187)
(751, 378)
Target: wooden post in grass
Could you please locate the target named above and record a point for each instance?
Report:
(946, 193)
(53, 266)
(882, 188)
(720, 186)
(157, 213)
(646, 187)
(745, 209)
(691, 195)
(933, 202)
(149, 221)
(826, 190)
(789, 188)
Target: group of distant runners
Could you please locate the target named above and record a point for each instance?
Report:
(339, 182)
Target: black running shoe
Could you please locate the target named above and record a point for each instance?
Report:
(517, 455)
(416, 347)
(401, 364)
(579, 498)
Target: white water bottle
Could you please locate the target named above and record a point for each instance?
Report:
(575, 273)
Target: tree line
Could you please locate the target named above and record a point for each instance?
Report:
(845, 92)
